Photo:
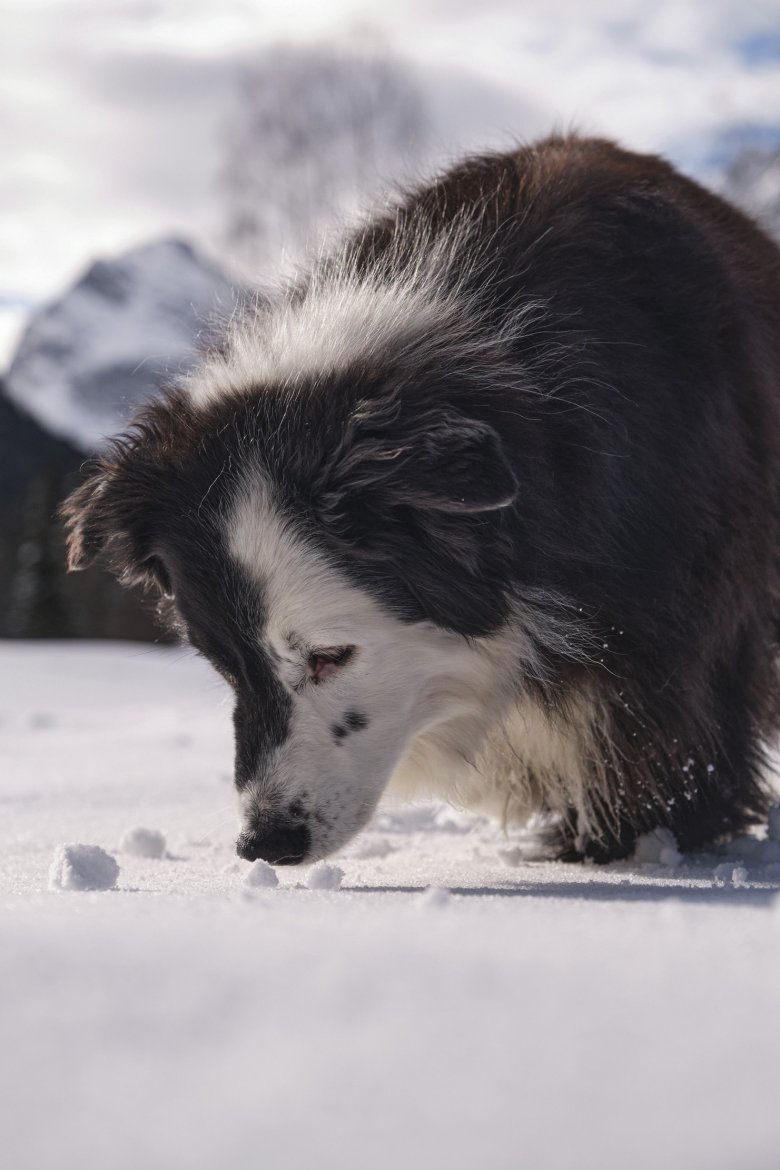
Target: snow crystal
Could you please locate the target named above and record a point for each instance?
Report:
(773, 822)
(143, 843)
(657, 848)
(82, 867)
(324, 876)
(261, 876)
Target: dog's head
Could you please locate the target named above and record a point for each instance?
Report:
(338, 560)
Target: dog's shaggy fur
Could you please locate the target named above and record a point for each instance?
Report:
(487, 504)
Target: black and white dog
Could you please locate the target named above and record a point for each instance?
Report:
(486, 505)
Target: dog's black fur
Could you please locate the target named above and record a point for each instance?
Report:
(633, 423)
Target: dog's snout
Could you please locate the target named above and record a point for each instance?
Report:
(280, 842)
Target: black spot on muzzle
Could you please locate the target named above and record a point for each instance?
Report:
(353, 721)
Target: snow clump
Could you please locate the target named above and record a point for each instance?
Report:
(82, 867)
(729, 872)
(324, 876)
(658, 848)
(261, 876)
(143, 843)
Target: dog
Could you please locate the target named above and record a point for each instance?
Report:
(483, 506)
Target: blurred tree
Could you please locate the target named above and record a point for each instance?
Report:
(753, 182)
(316, 134)
(37, 597)
(36, 605)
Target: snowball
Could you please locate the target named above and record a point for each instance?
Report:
(774, 823)
(143, 843)
(657, 848)
(261, 876)
(433, 897)
(323, 876)
(82, 867)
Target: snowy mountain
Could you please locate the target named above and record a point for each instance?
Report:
(89, 357)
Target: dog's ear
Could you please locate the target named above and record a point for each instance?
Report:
(419, 497)
(117, 512)
(110, 516)
(445, 463)
(458, 465)
(86, 513)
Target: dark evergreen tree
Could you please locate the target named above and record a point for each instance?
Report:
(38, 598)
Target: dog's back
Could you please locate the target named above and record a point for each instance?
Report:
(646, 450)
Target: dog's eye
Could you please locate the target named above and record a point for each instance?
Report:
(322, 664)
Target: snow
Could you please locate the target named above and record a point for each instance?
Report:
(658, 848)
(82, 867)
(442, 1009)
(261, 876)
(434, 898)
(324, 876)
(127, 326)
(143, 842)
(728, 872)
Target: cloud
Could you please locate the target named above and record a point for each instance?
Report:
(114, 113)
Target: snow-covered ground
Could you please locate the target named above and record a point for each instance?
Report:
(443, 1008)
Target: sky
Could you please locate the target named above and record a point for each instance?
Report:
(113, 112)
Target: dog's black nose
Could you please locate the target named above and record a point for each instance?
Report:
(280, 842)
